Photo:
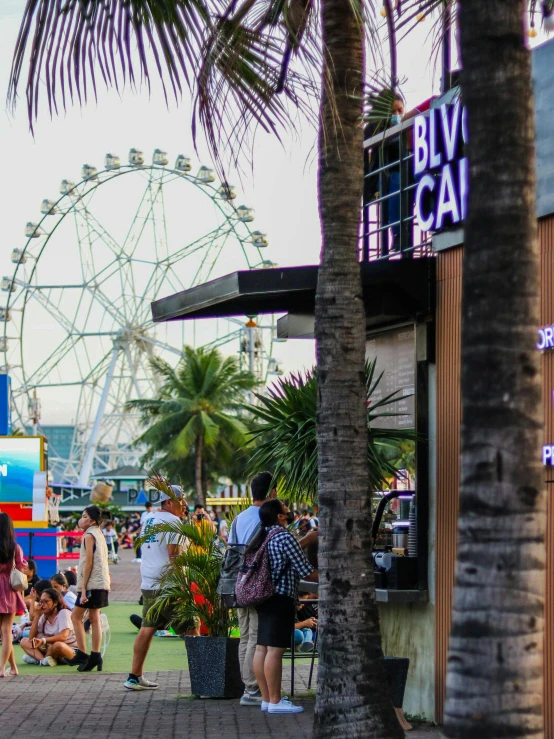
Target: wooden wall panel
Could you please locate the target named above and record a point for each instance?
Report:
(449, 296)
(546, 246)
(449, 301)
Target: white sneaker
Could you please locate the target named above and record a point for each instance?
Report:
(48, 662)
(140, 683)
(265, 706)
(29, 660)
(284, 706)
(138, 560)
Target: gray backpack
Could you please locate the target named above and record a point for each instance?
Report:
(230, 568)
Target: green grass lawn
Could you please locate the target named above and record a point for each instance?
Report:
(165, 653)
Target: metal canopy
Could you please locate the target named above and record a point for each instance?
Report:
(392, 288)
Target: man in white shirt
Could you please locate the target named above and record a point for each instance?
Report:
(157, 552)
(242, 531)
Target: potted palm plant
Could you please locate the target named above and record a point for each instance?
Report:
(188, 591)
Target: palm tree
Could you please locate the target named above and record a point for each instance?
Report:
(286, 435)
(198, 405)
(495, 664)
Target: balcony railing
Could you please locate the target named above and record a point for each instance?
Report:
(389, 227)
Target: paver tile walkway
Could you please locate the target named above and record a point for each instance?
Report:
(97, 706)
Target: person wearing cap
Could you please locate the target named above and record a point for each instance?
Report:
(157, 552)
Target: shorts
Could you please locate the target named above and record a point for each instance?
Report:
(276, 622)
(164, 619)
(98, 599)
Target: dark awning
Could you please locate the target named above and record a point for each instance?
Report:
(394, 288)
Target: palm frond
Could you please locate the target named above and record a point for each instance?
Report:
(286, 435)
(68, 41)
(241, 86)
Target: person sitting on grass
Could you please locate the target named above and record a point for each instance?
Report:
(304, 632)
(32, 579)
(22, 629)
(71, 578)
(51, 638)
(59, 583)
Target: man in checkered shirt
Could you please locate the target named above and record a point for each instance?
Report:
(276, 615)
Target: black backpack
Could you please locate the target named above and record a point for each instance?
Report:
(230, 568)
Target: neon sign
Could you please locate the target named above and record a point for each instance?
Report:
(546, 338)
(440, 168)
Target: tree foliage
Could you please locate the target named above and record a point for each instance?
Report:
(198, 410)
(286, 434)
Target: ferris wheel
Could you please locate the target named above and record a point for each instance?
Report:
(78, 334)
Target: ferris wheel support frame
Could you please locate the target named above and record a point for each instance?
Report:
(92, 442)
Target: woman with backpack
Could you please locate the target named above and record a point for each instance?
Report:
(277, 614)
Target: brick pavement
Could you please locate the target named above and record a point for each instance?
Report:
(97, 706)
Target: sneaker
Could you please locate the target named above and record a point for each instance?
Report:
(135, 620)
(306, 646)
(29, 660)
(265, 705)
(48, 662)
(251, 699)
(137, 560)
(284, 706)
(140, 684)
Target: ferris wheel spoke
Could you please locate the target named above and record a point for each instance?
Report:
(43, 370)
(107, 304)
(202, 242)
(160, 345)
(200, 277)
(119, 264)
(142, 216)
(54, 311)
(222, 340)
(95, 227)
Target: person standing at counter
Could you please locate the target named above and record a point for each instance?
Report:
(277, 615)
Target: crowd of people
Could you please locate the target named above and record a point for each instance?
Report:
(54, 613)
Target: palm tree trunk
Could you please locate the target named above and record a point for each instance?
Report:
(198, 454)
(495, 665)
(351, 702)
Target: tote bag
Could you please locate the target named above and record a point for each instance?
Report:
(18, 580)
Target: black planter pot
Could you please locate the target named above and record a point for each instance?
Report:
(214, 666)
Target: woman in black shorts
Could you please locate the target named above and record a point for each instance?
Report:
(93, 586)
(276, 616)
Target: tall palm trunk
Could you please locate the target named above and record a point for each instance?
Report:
(494, 685)
(198, 458)
(353, 702)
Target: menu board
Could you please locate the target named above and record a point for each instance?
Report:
(395, 352)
